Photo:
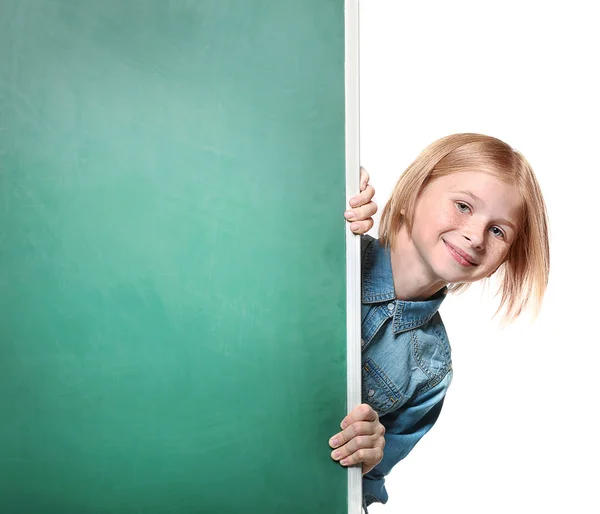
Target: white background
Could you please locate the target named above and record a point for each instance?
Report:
(519, 430)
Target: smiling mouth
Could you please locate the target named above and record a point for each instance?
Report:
(460, 256)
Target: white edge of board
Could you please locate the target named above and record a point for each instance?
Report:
(353, 277)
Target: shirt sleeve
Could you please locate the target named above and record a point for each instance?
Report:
(404, 428)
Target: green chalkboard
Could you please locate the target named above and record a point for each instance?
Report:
(172, 256)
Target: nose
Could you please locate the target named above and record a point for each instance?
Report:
(474, 233)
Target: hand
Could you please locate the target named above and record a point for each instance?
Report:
(361, 439)
(362, 208)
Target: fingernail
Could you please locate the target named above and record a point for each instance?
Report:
(349, 215)
(344, 424)
(354, 226)
(354, 202)
(333, 442)
(336, 454)
(343, 462)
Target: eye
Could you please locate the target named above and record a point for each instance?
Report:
(462, 207)
(498, 232)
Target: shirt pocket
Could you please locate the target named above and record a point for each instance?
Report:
(378, 390)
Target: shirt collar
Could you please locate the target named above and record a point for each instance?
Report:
(378, 287)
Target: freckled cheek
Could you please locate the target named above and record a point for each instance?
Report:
(496, 254)
(451, 217)
(433, 221)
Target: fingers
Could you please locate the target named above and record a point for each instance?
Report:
(357, 429)
(361, 213)
(358, 435)
(361, 439)
(364, 178)
(361, 442)
(369, 457)
(367, 191)
(362, 412)
(362, 421)
(362, 198)
(356, 445)
(361, 218)
(361, 227)
(362, 208)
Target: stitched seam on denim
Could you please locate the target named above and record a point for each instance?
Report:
(392, 393)
(435, 381)
(368, 295)
(398, 313)
(366, 326)
(442, 343)
(401, 309)
(403, 326)
(378, 406)
(373, 369)
(440, 333)
(380, 297)
(383, 320)
(382, 408)
(417, 357)
(368, 321)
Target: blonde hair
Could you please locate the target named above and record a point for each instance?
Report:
(524, 274)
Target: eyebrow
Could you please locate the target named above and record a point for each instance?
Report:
(468, 193)
(479, 200)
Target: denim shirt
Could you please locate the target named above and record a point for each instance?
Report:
(406, 363)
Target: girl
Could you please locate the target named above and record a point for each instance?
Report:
(469, 206)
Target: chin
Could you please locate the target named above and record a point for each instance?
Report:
(446, 269)
(452, 275)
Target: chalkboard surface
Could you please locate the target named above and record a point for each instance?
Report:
(172, 256)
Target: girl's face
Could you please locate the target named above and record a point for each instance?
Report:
(464, 225)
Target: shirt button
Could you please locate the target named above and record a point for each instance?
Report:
(390, 306)
(371, 392)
